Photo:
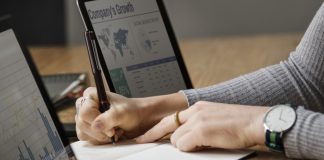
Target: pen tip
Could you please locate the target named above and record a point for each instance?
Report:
(113, 140)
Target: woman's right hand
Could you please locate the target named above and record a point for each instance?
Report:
(132, 116)
(96, 127)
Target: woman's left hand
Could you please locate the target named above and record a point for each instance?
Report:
(216, 125)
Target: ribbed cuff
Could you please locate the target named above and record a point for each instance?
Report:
(191, 95)
(304, 139)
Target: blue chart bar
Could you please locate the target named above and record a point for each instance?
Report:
(47, 155)
(21, 156)
(151, 63)
(30, 154)
(52, 136)
(29, 151)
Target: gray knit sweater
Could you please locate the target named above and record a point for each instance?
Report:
(299, 80)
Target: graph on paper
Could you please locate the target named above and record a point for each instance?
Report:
(27, 131)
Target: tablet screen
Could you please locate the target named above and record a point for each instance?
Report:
(136, 47)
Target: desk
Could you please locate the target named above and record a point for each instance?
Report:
(208, 60)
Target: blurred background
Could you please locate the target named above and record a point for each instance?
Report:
(233, 37)
(219, 39)
(57, 22)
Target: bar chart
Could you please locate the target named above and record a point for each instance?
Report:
(52, 136)
(27, 131)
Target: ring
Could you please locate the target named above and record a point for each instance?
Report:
(176, 119)
(80, 105)
(83, 100)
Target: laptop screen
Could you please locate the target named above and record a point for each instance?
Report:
(27, 130)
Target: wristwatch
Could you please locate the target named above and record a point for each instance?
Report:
(278, 120)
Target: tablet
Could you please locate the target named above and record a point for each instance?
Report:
(137, 49)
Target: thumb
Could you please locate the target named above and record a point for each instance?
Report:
(106, 122)
(115, 98)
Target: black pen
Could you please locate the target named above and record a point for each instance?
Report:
(104, 104)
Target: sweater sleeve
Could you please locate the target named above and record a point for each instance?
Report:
(299, 80)
(306, 138)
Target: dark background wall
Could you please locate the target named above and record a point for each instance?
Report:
(205, 18)
(59, 22)
(39, 21)
(210, 18)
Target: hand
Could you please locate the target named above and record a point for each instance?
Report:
(133, 116)
(215, 125)
(97, 128)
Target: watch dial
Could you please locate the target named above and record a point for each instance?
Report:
(280, 118)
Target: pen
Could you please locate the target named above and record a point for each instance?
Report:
(104, 105)
(70, 88)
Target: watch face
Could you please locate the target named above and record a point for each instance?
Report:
(280, 118)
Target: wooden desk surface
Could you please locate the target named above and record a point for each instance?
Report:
(208, 61)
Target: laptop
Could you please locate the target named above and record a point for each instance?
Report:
(29, 127)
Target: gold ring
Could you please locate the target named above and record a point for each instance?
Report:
(176, 119)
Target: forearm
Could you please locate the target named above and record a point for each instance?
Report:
(298, 80)
(265, 87)
(158, 107)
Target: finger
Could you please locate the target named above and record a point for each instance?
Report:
(91, 92)
(181, 131)
(106, 122)
(115, 98)
(84, 137)
(78, 102)
(77, 105)
(81, 135)
(165, 126)
(86, 129)
(88, 111)
(187, 142)
(110, 96)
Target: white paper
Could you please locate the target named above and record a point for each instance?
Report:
(129, 150)
(86, 151)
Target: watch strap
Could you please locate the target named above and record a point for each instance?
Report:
(274, 141)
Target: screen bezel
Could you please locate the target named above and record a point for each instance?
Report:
(170, 32)
(6, 24)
